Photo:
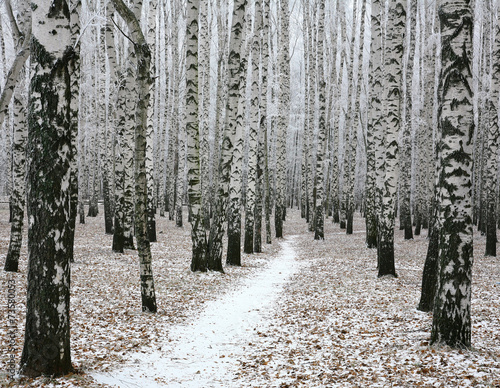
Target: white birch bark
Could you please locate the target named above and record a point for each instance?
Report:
(253, 140)
(392, 94)
(349, 132)
(283, 114)
(236, 178)
(49, 160)
(451, 323)
(234, 80)
(198, 237)
(493, 132)
(151, 39)
(374, 128)
(319, 216)
(204, 69)
(18, 153)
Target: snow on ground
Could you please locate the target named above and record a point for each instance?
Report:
(325, 321)
(203, 352)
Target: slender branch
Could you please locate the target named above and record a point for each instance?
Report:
(123, 33)
(16, 34)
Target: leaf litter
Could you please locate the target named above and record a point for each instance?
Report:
(329, 322)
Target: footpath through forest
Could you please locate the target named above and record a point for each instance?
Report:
(304, 313)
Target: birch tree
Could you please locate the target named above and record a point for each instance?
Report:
(451, 324)
(143, 56)
(493, 132)
(224, 168)
(46, 347)
(392, 97)
(319, 215)
(198, 261)
(253, 134)
(406, 149)
(283, 114)
(151, 38)
(374, 125)
(18, 153)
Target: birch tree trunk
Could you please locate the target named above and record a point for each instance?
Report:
(356, 123)
(374, 127)
(283, 114)
(236, 178)
(198, 261)
(17, 197)
(214, 247)
(493, 131)
(46, 347)
(18, 153)
(406, 149)
(151, 39)
(253, 140)
(128, 137)
(116, 126)
(262, 173)
(143, 57)
(234, 71)
(204, 67)
(349, 134)
(319, 199)
(392, 97)
(451, 324)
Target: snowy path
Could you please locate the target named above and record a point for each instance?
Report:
(205, 352)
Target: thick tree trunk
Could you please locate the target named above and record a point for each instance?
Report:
(47, 333)
(451, 324)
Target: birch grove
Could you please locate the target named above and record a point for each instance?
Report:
(221, 117)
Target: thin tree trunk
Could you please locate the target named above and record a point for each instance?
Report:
(143, 57)
(253, 134)
(393, 61)
(283, 114)
(319, 233)
(198, 236)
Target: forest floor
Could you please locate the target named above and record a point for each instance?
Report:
(303, 313)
